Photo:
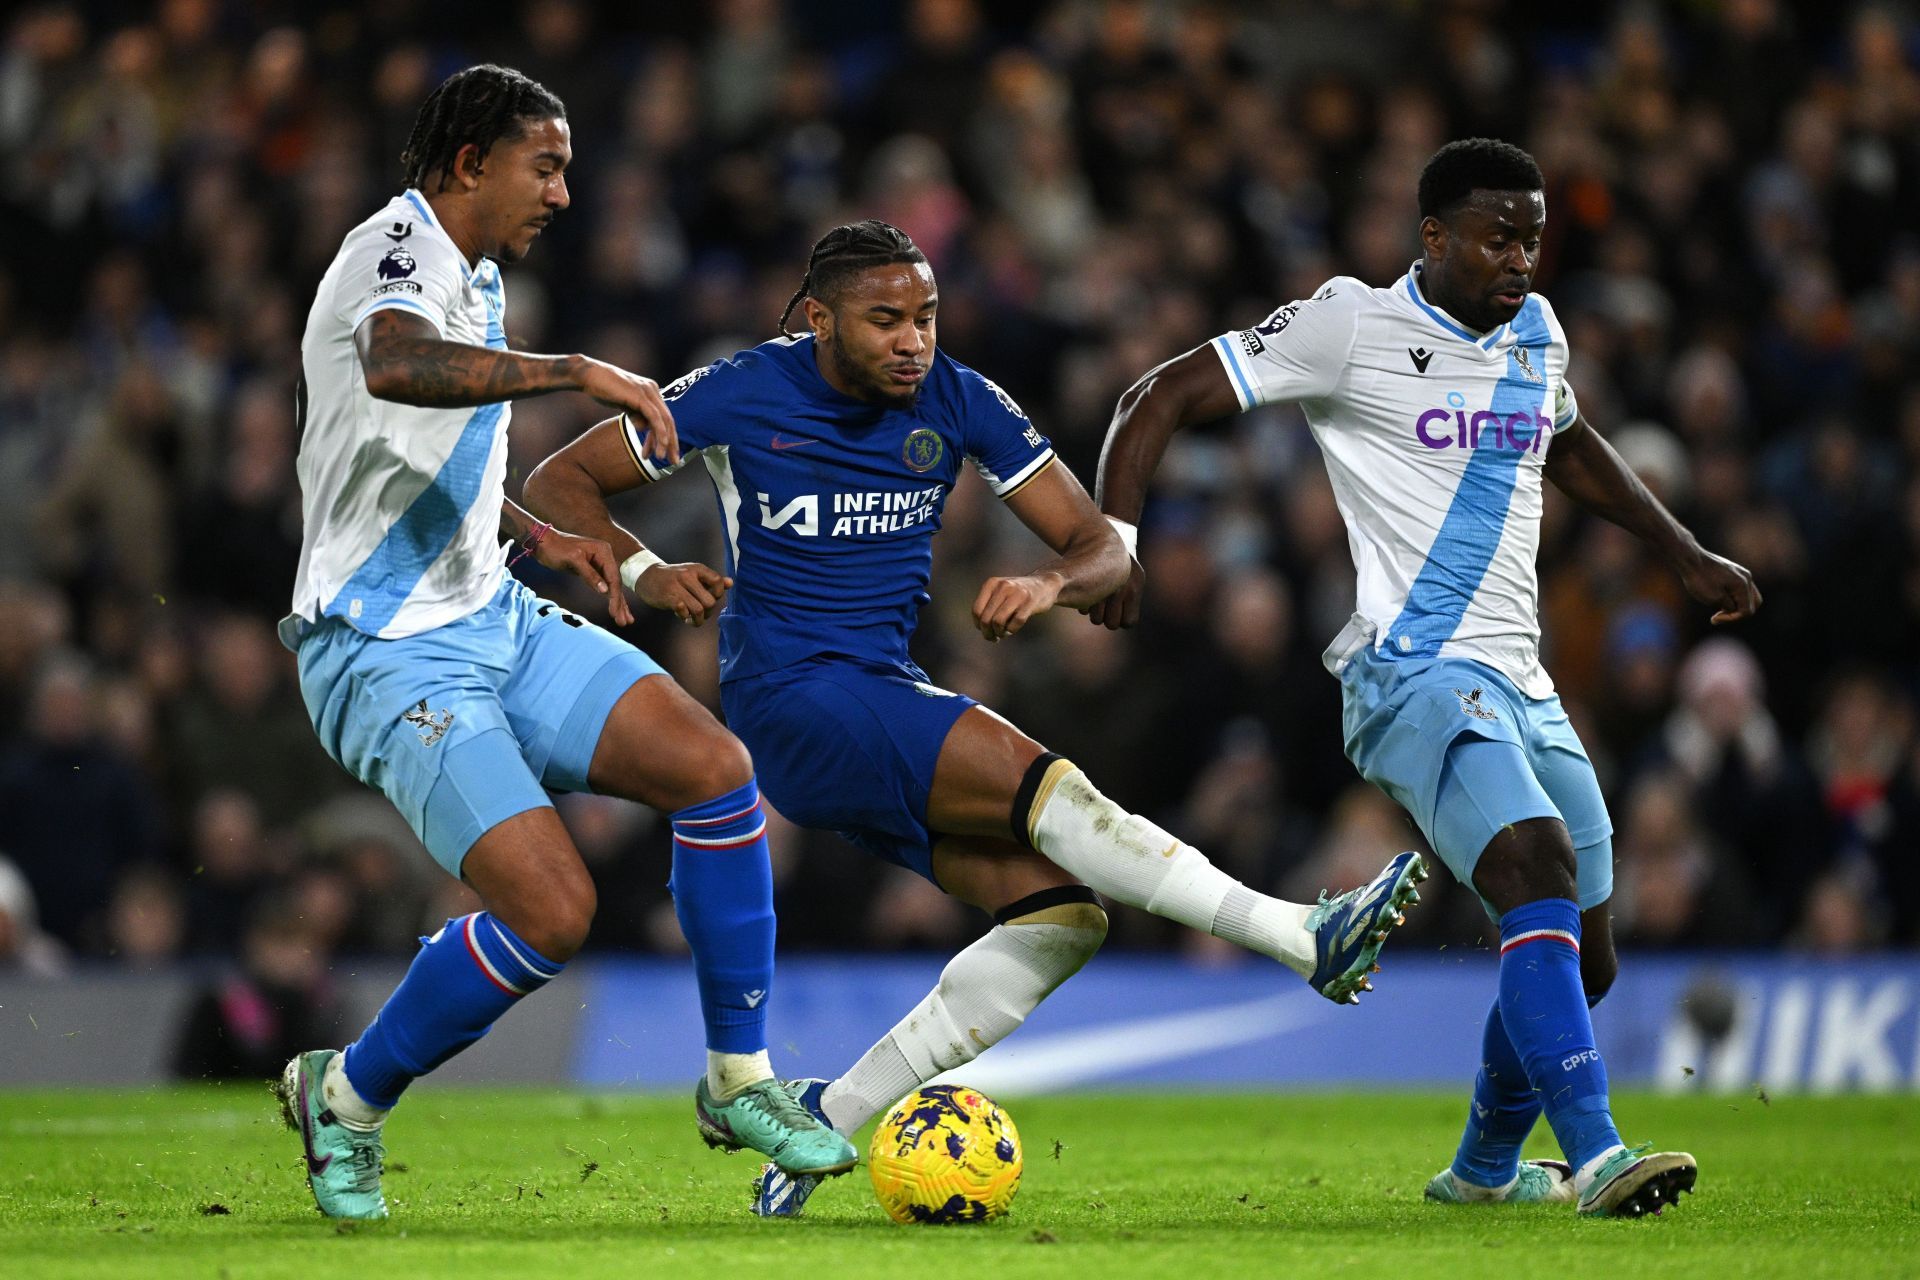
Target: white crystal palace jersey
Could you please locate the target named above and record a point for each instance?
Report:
(400, 505)
(1434, 438)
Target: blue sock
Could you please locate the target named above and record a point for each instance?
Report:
(723, 893)
(1504, 1110)
(464, 978)
(1544, 1011)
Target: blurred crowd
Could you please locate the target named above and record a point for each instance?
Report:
(1733, 244)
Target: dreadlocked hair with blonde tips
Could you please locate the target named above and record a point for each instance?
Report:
(845, 252)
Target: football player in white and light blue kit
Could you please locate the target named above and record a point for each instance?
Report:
(1441, 403)
(433, 675)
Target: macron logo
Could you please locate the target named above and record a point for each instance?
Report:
(753, 998)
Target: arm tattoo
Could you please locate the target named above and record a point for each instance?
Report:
(412, 365)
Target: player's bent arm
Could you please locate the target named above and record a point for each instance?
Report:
(1089, 559)
(1089, 565)
(405, 360)
(570, 488)
(1192, 388)
(587, 558)
(1588, 470)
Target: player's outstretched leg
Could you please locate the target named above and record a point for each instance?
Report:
(1350, 928)
(1334, 945)
(983, 996)
(723, 894)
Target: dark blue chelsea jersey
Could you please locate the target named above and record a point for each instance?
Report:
(830, 503)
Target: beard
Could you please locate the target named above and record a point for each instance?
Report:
(869, 387)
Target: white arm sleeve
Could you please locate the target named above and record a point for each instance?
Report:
(421, 273)
(1297, 353)
(1565, 408)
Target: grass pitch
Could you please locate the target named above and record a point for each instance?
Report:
(204, 1182)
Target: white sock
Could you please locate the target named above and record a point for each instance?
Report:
(983, 995)
(348, 1107)
(1474, 1191)
(1133, 861)
(729, 1073)
(1583, 1176)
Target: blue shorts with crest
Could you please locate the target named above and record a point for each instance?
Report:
(846, 745)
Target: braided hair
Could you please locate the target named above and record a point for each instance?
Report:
(845, 252)
(480, 106)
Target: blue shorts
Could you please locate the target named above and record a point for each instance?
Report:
(465, 725)
(848, 746)
(1466, 753)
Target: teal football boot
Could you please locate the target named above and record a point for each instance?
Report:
(1350, 928)
(1539, 1182)
(1632, 1184)
(343, 1165)
(765, 1116)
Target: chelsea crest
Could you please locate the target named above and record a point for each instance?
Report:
(923, 449)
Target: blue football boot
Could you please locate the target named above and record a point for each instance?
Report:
(779, 1194)
(1350, 928)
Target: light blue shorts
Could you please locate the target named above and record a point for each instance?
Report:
(466, 725)
(1466, 753)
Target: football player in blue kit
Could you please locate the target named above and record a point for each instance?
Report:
(832, 454)
(433, 675)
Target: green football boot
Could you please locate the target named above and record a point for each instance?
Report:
(343, 1165)
(1632, 1184)
(1539, 1182)
(765, 1116)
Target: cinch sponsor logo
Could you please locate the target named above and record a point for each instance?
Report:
(1458, 429)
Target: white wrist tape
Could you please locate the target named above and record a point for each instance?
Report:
(636, 564)
(1129, 536)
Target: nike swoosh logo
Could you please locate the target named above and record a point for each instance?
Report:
(778, 443)
(719, 1123)
(315, 1164)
